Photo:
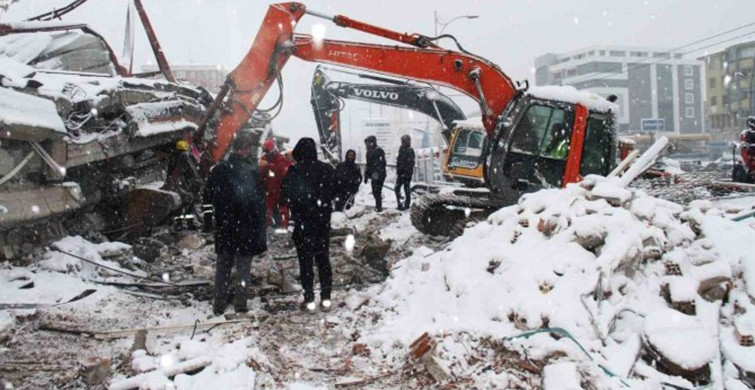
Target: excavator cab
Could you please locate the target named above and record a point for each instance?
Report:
(543, 143)
(464, 160)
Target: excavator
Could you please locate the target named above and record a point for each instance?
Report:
(538, 137)
(328, 100)
(465, 138)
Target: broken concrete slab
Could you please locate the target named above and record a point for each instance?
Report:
(191, 242)
(95, 370)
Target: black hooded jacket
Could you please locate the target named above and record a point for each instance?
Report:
(348, 176)
(405, 162)
(234, 190)
(375, 160)
(308, 191)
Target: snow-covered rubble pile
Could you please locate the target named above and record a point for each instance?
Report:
(58, 257)
(212, 364)
(639, 282)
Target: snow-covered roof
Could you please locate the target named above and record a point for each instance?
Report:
(570, 94)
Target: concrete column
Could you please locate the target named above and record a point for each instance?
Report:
(654, 89)
(675, 85)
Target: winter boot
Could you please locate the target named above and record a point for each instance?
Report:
(308, 307)
(325, 305)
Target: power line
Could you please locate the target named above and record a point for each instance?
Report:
(670, 52)
(638, 65)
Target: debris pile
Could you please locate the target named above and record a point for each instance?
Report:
(75, 135)
(626, 288)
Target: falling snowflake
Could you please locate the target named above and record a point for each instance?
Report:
(166, 277)
(318, 35)
(35, 209)
(349, 243)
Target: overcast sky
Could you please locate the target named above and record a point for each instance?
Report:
(509, 33)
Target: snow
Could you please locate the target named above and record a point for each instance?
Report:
(681, 338)
(561, 376)
(470, 123)
(570, 94)
(61, 262)
(400, 231)
(20, 109)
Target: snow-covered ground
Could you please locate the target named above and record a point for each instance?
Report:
(612, 282)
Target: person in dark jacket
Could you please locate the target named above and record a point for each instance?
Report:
(238, 201)
(404, 172)
(375, 170)
(308, 191)
(348, 179)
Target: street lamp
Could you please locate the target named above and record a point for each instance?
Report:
(445, 24)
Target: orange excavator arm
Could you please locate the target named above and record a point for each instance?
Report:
(276, 42)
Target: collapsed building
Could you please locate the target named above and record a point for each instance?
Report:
(77, 134)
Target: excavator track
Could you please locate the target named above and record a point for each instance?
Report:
(449, 214)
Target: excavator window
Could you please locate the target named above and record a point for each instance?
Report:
(475, 141)
(544, 131)
(598, 149)
(460, 147)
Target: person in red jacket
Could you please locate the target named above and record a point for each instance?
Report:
(273, 168)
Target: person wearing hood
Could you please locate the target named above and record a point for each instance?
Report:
(273, 167)
(308, 190)
(348, 179)
(238, 202)
(375, 170)
(404, 172)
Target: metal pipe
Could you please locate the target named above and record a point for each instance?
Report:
(320, 15)
(162, 62)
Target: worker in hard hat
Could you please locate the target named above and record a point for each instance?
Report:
(183, 175)
(273, 167)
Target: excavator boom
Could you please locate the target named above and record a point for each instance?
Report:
(328, 96)
(276, 42)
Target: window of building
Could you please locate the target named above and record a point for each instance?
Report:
(747, 52)
(617, 53)
(602, 53)
(689, 84)
(571, 72)
(591, 53)
(688, 71)
(712, 81)
(689, 112)
(713, 100)
(689, 98)
(660, 55)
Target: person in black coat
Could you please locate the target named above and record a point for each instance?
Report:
(348, 179)
(238, 201)
(404, 172)
(375, 170)
(308, 191)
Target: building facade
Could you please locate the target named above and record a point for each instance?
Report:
(730, 84)
(210, 77)
(657, 91)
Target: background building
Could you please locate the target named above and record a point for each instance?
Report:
(729, 81)
(657, 91)
(211, 77)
